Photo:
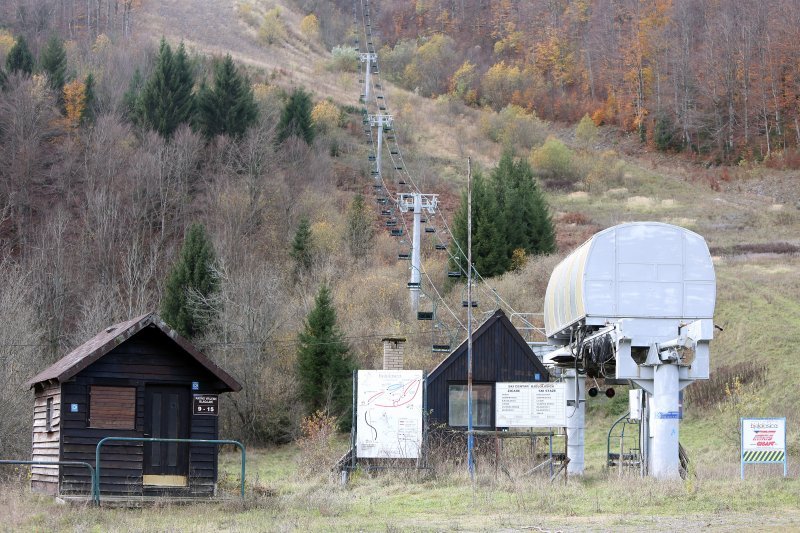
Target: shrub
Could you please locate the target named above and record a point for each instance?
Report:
(665, 136)
(586, 132)
(344, 59)
(317, 443)
(309, 26)
(602, 172)
(273, 29)
(325, 116)
(715, 390)
(515, 127)
(554, 161)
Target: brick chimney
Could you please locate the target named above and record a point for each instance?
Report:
(393, 353)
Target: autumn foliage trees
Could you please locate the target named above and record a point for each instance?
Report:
(717, 78)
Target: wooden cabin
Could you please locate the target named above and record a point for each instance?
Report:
(134, 379)
(499, 354)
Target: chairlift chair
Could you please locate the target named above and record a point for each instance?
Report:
(397, 232)
(440, 246)
(430, 230)
(386, 212)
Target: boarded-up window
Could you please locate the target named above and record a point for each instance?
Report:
(112, 407)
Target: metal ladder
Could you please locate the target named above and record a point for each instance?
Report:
(625, 454)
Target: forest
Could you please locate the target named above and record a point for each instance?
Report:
(718, 79)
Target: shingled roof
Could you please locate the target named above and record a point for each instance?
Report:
(111, 337)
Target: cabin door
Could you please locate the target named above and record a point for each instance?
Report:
(166, 416)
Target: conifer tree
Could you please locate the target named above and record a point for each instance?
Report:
(3, 79)
(130, 100)
(324, 364)
(167, 100)
(302, 246)
(54, 62)
(191, 282)
(509, 213)
(360, 231)
(296, 117)
(227, 107)
(19, 58)
(88, 112)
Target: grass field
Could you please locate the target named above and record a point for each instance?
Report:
(282, 496)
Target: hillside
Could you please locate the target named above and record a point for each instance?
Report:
(745, 212)
(93, 214)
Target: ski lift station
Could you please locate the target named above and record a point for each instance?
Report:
(634, 303)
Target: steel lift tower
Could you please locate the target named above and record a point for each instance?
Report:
(381, 122)
(416, 202)
(370, 58)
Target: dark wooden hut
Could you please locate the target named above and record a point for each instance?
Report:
(499, 354)
(134, 379)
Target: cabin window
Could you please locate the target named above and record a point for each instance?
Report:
(112, 407)
(48, 423)
(481, 405)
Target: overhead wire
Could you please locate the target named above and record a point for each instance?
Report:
(400, 167)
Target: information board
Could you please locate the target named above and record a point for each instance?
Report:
(531, 405)
(763, 441)
(389, 414)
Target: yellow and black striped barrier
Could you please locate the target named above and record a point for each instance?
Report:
(759, 456)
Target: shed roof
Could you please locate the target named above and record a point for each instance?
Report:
(499, 318)
(111, 337)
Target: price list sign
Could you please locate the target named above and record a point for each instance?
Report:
(531, 405)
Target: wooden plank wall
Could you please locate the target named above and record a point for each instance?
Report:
(46, 443)
(497, 356)
(148, 357)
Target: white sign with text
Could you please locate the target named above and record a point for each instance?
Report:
(531, 405)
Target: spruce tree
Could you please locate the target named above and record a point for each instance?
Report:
(360, 231)
(19, 58)
(54, 62)
(324, 364)
(509, 213)
(167, 100)
(191, 282)
(227, 107)
(296, 118)
(3, 79)
(302, 246)
(130, 100)
(88, 111)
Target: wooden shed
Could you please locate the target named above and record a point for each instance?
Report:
(499, 354)
(134, 379)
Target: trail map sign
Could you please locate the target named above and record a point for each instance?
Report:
(389, 411)
(763, 441)
(531, 405)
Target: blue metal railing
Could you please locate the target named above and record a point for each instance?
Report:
(152, 439)
(95, 489)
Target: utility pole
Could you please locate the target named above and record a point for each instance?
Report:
(370, 58)
(416, 202)
(470, 436)
(380, 121)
